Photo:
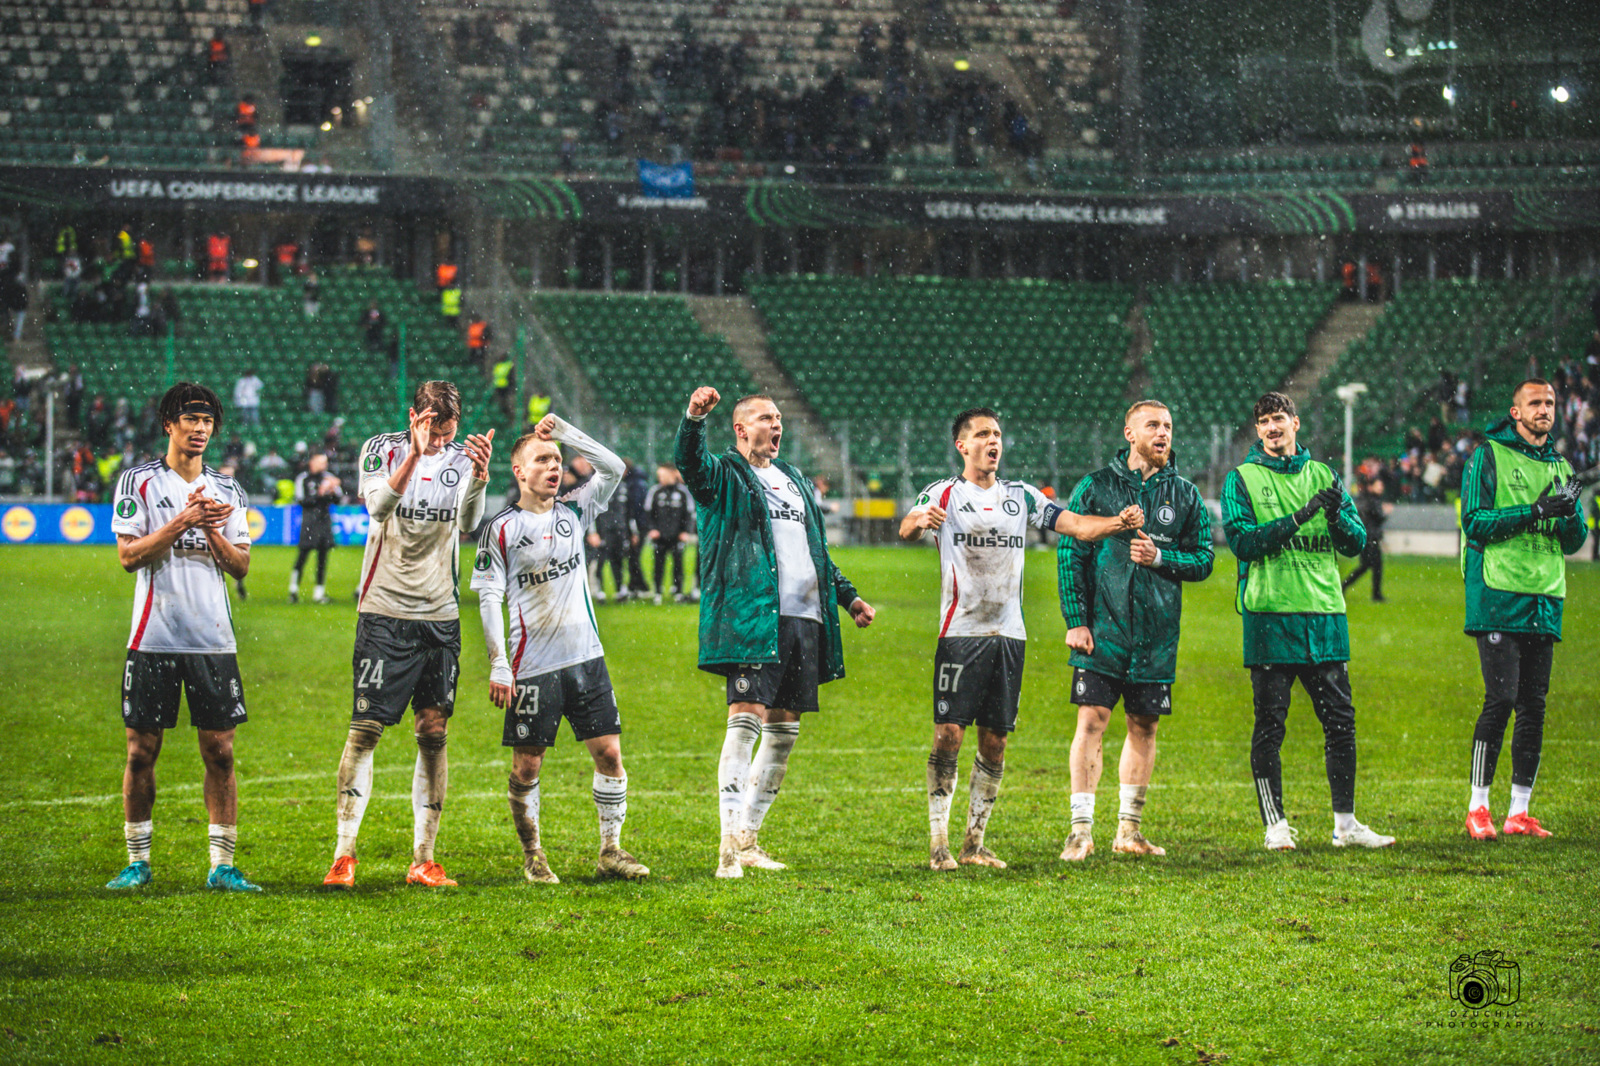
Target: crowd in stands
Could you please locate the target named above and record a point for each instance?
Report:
(842, 123)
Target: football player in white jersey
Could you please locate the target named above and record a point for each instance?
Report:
(981, 525)
(531, 561)
(422, 491)
(181, 527)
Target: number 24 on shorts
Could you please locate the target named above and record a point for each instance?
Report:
(371, 674)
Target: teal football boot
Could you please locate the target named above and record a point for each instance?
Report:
(229, 879)
(134, 875)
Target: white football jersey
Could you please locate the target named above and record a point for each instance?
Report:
(180, 603)
(535, 563)
(981, 550)
(799, 595)
(412, 563)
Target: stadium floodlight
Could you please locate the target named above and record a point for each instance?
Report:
(1348, 394)
(1560, 95)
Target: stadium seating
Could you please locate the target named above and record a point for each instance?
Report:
(227, 330)
(1464, 327)
(1214, 347)
(889, 362)
(85, 81)
(640, 353)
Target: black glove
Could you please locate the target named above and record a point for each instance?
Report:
(1562, 503)
(1329, 500)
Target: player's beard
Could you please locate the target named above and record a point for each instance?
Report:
(1535, 430)
(1155, 460)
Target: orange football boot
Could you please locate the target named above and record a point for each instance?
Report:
(428, 873)
(342, 874)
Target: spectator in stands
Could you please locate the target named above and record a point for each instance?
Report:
(219, 256)
(71, 275)
(1347, 275)
(1463, 402)
(272, 468)
(317, 388)
(14, 299)
(1417, 164)
(450, 305)
(143, 323)
(312, 292)
(538, 403)
(258, 15)
(1374, 282)
(479, 337)
(72, 395)
(1374, 512)
(97, 424)
(505, 385)
(247, 397)
(8, 253)
(373, 324)
(219, 58)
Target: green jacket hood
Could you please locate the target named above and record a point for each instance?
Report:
(1284, 464)
(1505, 432)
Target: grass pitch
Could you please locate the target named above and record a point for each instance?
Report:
(1219, 952)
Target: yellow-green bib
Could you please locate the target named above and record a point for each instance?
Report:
(1302, 577)
(1531, 561)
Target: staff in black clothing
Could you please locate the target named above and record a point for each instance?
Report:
(669, 510)
(316, 491)
(1374, 512)
(637, 489)
(610, 540)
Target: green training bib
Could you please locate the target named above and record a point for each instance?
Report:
(1530, 562)
(1302, 577)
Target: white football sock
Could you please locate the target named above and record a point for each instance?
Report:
(224, 838)
(1132, 803)
(1480, 798)
(524, 802)
(428, 786)
(1082, 811)
(1520, 795)
(941, 789)
(766, 772)
(319, 592)
(734, 767)
(137, 835)
(1344, 822)
(982, 790)
(355, 782)
(611, 801)
(294, 583)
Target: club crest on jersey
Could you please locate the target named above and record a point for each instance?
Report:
(1011, 507)
(563, 528)
(449, 476)
(1166, 515)
(371, 463)
(482, 562)
(127, 507)
(793, 488)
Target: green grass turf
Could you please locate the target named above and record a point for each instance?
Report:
(857, 953)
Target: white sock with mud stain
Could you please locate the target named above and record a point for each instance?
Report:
(524, 802)
(355, 782)
(223, 840)
(941, 790)
(138, 835)
(428, 785)
(738, 745)
(611, 802)
(766, 772)
(983, 789)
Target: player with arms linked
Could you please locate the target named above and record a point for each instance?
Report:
(530, 559)
(422, 491)
(981, 523)
(1122, 600)
(182, 528)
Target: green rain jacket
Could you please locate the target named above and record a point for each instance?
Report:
(739, 565)
(1491, 610)
(1286, 638)
(1132, 610)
